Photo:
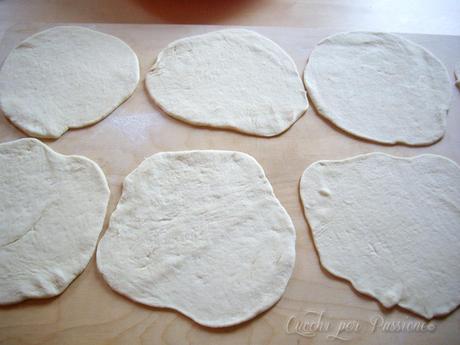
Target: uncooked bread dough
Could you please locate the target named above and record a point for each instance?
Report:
(389, 225)
(234, 79)
(379, 87)
(51, 213)
(200, 232)
(66, 77)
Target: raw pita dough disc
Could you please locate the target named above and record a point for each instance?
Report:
(389, 225)
(379, 87)
(51, 213)
(234, 79)
(200, 232)
(66, 77)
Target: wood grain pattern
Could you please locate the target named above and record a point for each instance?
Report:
(89, 312)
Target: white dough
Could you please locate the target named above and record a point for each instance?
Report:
(51, 213)
(389, 225)
(379, 87)
(66, 77)
(200, 232)
(233, 79)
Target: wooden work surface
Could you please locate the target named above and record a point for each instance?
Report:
(89, 312)
(422, 16)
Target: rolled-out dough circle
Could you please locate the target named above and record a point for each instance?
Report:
(379, 87)
(51, 213)
(200, 232)
(389, 225)
(232, 79)
(66, 77)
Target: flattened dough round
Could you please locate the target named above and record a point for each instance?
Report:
(66, 77)
(233, 79)
(200, 232)
(51, 213)
(379, 87)
(389, 225)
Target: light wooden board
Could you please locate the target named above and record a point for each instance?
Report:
(437, 17)
(89, 312)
